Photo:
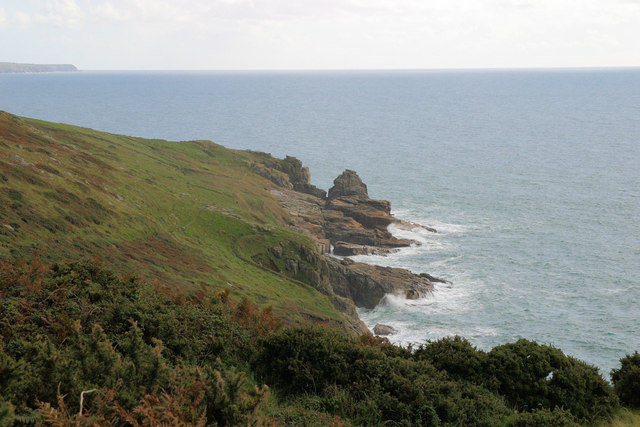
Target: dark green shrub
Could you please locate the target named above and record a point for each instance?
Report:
(307, 359)
(522, 370)
(457, 356)
(626, 380)
(7, 415)
(532, 376)
(366, 385)
(579, 388)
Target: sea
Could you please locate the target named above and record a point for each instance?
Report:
(531, 178)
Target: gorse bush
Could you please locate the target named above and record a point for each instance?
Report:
(528, 375)
(626, 380)
(368, 386)
(457, 357)
(78, 327)
(149, 355)
(532, 376)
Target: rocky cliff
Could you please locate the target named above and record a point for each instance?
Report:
(345, 221)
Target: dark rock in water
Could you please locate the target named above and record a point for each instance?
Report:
(367, 284)
(348, 184)
(381, 329)
(434, 279)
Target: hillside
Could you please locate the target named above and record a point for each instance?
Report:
(187, 214)
(147, 282)
(13, 67)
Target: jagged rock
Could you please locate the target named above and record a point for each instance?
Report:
(310, 189)
(355, 225)
(348, 184)
(407, 225)
(279, 178)
(298, 174)
(366, 211)
(349, 249)
(367, 284)
(434, 279)
(300, 177)
(381, 329)
(287, 173)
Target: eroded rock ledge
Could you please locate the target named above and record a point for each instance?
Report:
(348, 220)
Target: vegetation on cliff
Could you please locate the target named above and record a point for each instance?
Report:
(145, 282)
(81, 345)
(186, 214)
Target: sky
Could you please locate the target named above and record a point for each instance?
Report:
(321, 34)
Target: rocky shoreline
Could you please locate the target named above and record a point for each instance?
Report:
(345, 222)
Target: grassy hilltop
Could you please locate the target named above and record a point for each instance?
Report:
(186, 214)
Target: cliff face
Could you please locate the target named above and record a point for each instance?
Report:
(351, 223)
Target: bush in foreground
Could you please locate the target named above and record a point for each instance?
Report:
(626, 380)
(153, 355)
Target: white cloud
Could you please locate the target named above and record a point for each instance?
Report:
(148, 10)
(61, 13)
(109, 12)
(336, 33)
(3, 16)
(21, 19)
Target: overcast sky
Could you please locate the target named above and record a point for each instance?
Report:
(321, 34)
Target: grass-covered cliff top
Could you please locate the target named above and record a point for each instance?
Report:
(187, 214)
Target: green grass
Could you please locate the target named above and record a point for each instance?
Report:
(188, 213)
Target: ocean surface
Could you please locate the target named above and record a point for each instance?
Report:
(532, 179)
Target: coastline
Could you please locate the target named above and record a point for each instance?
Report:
(20, 68)
(345, 222)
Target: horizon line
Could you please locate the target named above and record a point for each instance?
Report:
(462, 69)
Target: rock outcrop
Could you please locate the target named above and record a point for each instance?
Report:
(287, 173)
(348, 184)
(367, 284)
(348, 220)
(302, 262)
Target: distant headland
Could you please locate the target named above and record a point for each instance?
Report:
(13, 67)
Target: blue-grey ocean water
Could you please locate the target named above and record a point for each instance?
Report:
(532, 179)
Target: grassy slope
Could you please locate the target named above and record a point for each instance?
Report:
(188, 213)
